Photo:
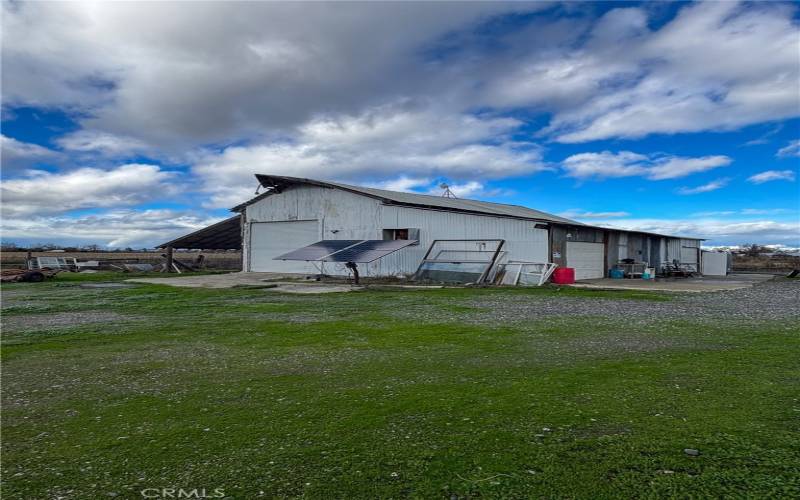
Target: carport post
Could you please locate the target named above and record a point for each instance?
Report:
(169, 259)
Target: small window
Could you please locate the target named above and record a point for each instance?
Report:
(401, 234)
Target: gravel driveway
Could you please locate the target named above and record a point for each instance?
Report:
(772, 300)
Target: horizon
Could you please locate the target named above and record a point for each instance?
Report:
(640, 116)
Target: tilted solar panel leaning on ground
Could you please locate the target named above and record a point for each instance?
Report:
(362, 251)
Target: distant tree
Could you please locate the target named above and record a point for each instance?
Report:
(9, 247)
(754, 249)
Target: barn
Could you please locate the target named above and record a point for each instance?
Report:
(295, 212)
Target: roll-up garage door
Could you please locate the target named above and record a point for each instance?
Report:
(271, 239)
(586, 259)
(688, 255)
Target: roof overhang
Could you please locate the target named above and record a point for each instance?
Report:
(224, 235)
(276, 184)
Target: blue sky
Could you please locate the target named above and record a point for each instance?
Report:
(126, 124)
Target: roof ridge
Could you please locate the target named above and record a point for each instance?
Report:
(415, 199)
(357, 186)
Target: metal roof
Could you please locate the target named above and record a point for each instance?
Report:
(224, 235)
(276, 184)
(649, 233)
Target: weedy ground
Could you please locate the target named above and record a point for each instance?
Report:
(444, 393)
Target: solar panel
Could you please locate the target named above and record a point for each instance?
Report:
(318, 250)
(369, 250)
(362, 251)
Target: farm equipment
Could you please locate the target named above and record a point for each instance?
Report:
(27, 275)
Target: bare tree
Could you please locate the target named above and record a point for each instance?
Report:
(754, 249)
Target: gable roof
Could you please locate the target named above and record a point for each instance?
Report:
(276, 184)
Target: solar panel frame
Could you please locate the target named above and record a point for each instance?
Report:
(369, 251)
(317, 251)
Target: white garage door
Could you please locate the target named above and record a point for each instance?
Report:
(586, 259)
(271, 239)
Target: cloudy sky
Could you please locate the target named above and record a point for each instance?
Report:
(125, 124)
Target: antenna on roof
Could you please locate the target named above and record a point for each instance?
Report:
(447, 192)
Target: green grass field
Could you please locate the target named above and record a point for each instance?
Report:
(387, 394)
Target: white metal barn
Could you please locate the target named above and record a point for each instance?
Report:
(295, 212)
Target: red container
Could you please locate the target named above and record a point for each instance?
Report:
(563, 276)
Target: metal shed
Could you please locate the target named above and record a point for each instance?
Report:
(294, 212)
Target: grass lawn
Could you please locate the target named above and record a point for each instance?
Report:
(387, 394)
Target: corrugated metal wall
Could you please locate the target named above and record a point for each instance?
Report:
(341, 215)
(637, 247)
(523, 240)
(690, 243)
(613, 248)
(673, 249)
(622, 246)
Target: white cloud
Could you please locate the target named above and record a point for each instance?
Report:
(402, 184)
(718, 231)
(688, 75)
(375, 146)
(714, 213)
(17, 154)
(673, 168)
(764, 211)
(114, 229)
(583, 214)
(605, 164)
(218, 72)
(469, 189)
(53, 193)
(765, 137)
(628, 164)
(93, 141)
(705, 188)
(743, 211)
(791, 149)
(772, 175)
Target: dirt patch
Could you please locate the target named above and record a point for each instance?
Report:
(29, 322)
(111, 285)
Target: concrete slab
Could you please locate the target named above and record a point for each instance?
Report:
(270, 282)
(228, 280)
(698, 284)
(274, 282)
